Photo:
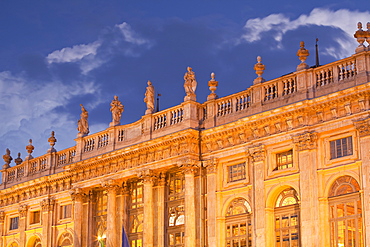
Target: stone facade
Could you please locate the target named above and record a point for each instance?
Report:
(285, 161)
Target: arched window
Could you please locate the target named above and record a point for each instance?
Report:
(14, 244)
(238, 224)
(345, 213)
(34, 242)
(287, 219)
(65, 240)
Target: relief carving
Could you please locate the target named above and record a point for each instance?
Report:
(363, 126)
(305, 141)
(257, 153)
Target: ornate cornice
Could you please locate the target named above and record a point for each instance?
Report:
(363, 126)
(305, 141)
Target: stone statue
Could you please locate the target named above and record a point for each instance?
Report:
(116, 108)
(190, 84)
(149, 98)
(82, 124)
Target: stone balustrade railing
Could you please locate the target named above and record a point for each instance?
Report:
(265, 95)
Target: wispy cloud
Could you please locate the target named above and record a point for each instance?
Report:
(279, 24)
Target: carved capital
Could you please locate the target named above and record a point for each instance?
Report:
(363, 126)
(111, 187)
(148, 176)
(22, 211)
(47, 204)
(161, 179)
(78, 195)
(211, 165)
(305, 141)
(257, 153)
(188, 166)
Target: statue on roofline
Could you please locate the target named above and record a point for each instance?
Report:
(82, 124)
(116, 108)
(149, 98)
(190, 84)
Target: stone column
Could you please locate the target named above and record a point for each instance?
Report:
(22, 224)
(308, 182)
(160, 220)
(148, 233)
(78, 197)
(112, 189)
(363, 127)
(189, 168)
(124, 201)
(47, 207)
(211, 166)
(257, 154)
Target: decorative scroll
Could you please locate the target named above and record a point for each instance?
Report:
(305, 141)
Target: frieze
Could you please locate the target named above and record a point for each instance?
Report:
(305, 141)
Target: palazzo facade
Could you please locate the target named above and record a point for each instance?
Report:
(285, 162)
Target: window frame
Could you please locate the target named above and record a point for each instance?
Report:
(338, 145)
(32, 217)
(12, 226)
(325, 152)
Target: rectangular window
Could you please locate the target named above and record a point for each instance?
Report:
(35, 217)
(341, 147)
(66, 211)
(14, 223)
(236, 172)
(284, 160)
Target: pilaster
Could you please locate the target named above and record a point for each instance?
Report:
(2, 230)
(22, 224)
(160, 217)
(77, 195)
(112, 190)
(306, 145)
(148, 235)
(211, 166)
(363, 127)
(257, 155)
(190, 167)
(47, 208)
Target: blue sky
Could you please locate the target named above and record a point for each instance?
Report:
(55, 55)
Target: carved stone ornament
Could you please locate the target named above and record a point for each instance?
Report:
(29, 149)
(302, 53)
(257, 153)
(148, 176)
(22, 211)
(305, 141)
(52, 140)
(47, 204)
(77, 195)
(18, 160)
(259, 68)
(212, 84)
(189, 166)
(111, 186)
(363, 126)
(211, 165)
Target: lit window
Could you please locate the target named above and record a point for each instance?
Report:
(35, 217)
(341, 147)
(65, 211)
(284, 160)
(236, 172)
(345, 213)
(287, 219)
(136, 213)
(14, 223)
(238, 224)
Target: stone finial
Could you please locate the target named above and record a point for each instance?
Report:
(29, 149)
(360, 35)
(190, 85)
(259, 68)
(82, 123)
(302, 53)
(52, 140)
(212, 84)
(18, 160)
(7, 158)
(149, 98)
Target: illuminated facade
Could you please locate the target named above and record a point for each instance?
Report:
(284, 163)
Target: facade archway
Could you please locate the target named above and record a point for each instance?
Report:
(238, 223)
(13, 244)
(65, 240)
(287, 222)
(34, 241)
(345, 210)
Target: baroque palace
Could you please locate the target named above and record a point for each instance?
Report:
(285, 162)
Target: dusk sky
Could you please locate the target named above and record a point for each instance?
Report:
(55, 55)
